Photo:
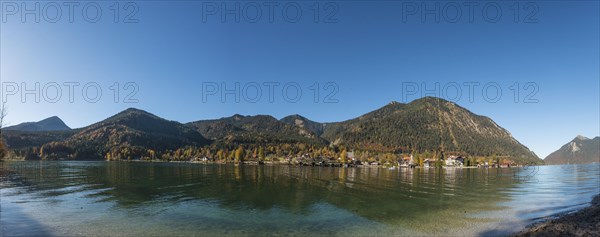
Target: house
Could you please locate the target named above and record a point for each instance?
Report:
(454, 161)
(460, 159)
(206, 159)
(375, 163)
(406, 161)
(429, 163)
(305, 160)
(451, 161)
(506, 163)
(350, 155)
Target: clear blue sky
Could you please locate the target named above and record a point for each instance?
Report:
(370, 50)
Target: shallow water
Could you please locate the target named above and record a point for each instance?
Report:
(167, 199)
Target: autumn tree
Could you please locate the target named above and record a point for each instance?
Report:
(151, 154)
(239, 154)
(344, 156)
(220, 155)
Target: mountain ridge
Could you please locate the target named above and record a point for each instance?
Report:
(580, 150)
(129, 133)
(428, 124)
(53, 123)
(253, 129)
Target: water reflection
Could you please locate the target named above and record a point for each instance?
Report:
(315, 200)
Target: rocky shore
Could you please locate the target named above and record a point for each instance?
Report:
(585, 222)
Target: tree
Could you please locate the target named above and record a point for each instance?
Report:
(3, 147)
(439, 163)
(261, 153)
(220, 154)
(497, 160)
(426, 155)
(343, 156)
(151, 153)
(239, 154)
(3, 113)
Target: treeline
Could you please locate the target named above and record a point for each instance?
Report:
(235, 153)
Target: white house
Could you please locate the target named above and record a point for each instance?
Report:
(454, 161)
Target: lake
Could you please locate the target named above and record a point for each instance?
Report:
(78, 198)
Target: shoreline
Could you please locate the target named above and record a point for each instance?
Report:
(280, 163)
(585, 222)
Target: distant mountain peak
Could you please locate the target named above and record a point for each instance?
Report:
(53, 123)
(238, 116)
(580, 150)
(296, 116)
(53, 119)
(582, 138)
(431, 98)
(133, 110)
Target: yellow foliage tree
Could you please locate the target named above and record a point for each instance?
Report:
(239, 154)
(344, 156)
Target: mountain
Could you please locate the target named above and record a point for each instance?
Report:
(25, 139)
(254, 129)
(302, 122)
(580, 150)
(428, 124)
(50, 124)
(128, 133)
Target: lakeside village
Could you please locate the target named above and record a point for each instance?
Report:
(350, 159)
(298, 155)
(407, 162)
